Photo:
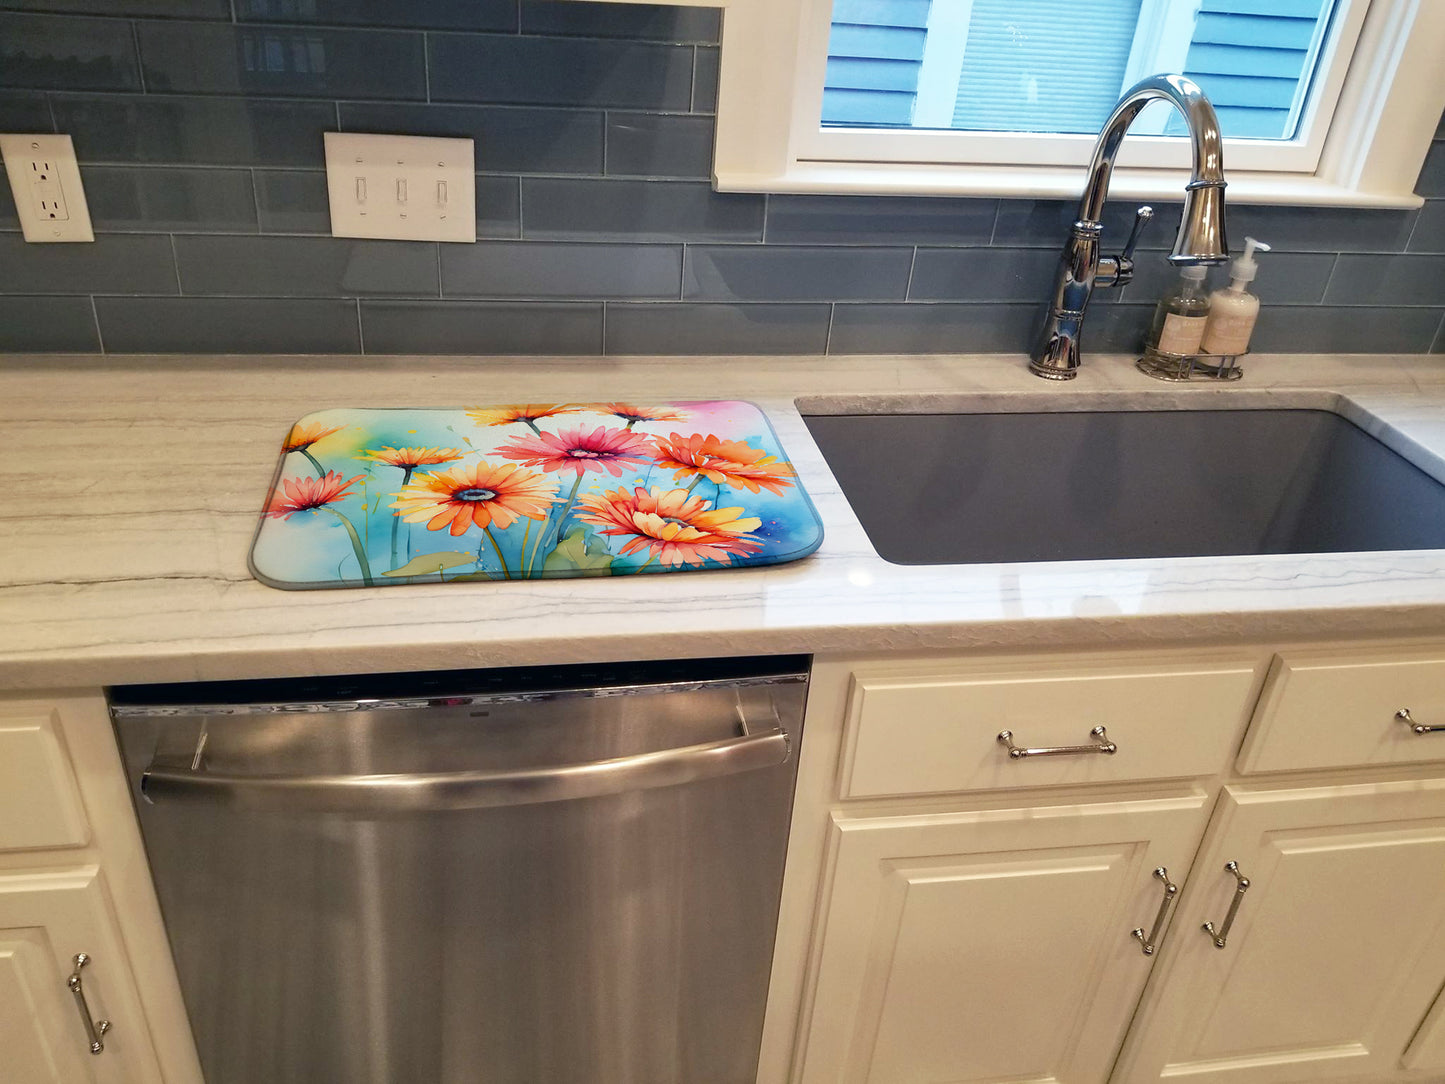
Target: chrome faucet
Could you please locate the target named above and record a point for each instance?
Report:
(1201, 229)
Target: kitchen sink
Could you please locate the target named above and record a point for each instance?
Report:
(981, 488)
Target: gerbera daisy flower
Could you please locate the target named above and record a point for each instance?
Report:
(580, 451)
(631, 413)
(409, 459)
(726, 462)
(482, 494)
(302, 437)
(308, 494)
(678, 529)
(521, 412)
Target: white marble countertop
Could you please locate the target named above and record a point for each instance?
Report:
(131, 488)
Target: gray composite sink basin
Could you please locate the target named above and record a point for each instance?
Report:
(982, 488)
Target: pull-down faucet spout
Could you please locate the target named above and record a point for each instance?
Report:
(1201, 227)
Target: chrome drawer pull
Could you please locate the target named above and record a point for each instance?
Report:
(1102, 744)
(1239, 891)
(1417, 728)
(1171, 893)
(95, 1029)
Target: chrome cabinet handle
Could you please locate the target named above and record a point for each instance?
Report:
(1171, 893)
(1102, 744)
(1417, 728)
(93, 1028)
(1240, 889)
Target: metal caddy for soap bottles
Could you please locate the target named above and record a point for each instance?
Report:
(1165, 366)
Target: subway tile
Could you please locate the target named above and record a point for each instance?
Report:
(659, 145)
(205, 325)
(1115, 329)
(984, 274)
(934, 329)
(306, 267)
(430, 15)
(44, 325)
(24, 111)
(1320, 229)
(673, 328)
(292, 201)
(9, 219)
(65, 51)
(1429, 235)
(258, 60)
(173, 9)
(652, 22)
(1432, 173)
(560, 270)
(705, 68)
(153, 198)
(481, 327)
(503, 69)
(783, 273)
(509, 139)
(1387, 280)
(1438, 346)
(111, 264)
(637, 211)
(880, 220)
(499, 207)
(1285, 278)
(1345, 330)
(200, 131)
(1046, 223)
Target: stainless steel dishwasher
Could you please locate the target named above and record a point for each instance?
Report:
(563, 875)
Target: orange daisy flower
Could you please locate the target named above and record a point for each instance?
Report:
(302, 437)
(631, 413)
(521, 412)
(411, 458)
(580, 451)
(308, 494)
(726, 462)
(677, 528)
(482, 494)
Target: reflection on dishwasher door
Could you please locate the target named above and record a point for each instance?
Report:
(564, 875)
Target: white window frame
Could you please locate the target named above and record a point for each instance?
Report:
(1364, 137)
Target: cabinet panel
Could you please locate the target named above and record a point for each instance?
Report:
(45, 919)
(1338, 948)
(988, 946)
(935, 733)
(1325, 711)
(39, 803)
(1426, 1052)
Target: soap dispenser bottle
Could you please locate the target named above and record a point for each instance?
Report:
(1233, 310)
(1180, 319)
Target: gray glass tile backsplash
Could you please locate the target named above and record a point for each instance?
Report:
(198, 126)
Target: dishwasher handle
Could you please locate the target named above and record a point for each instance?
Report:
(418, 792)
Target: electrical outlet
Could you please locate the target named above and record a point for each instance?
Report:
(45, 182)
(411, 188)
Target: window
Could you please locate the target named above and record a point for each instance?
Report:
(1350, 127)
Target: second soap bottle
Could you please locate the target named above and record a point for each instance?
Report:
(1179, 321)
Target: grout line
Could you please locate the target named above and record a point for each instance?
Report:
(360, 334)
(440, 292)
(682, 278)
(176, 266)
(234, 17)
(95, 315)
(255, 203)
(828, 338)
(912, 263)
(521, 233)
(140, 67)
(766, 205)
(692, 85)
(426, 63)
(50, 109)
(606, 123)
(1329, 280)
(1437, 344)
(336, 108)
(993, 231)
(604, 328)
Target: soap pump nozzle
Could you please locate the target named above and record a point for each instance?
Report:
(1244, 269)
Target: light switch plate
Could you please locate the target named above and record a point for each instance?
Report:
(45, 181)
(411, 188)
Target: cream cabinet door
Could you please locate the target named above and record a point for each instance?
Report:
(1337, 951)
(46, 918)
(991, 945)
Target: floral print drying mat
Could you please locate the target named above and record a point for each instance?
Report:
(371, 498)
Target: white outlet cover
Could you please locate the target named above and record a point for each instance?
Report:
(45, 182)
(410, 188)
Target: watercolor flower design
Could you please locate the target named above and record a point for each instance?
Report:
(723, 462)
(677, 528)
(571, 497)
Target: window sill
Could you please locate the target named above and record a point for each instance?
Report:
(1045, 182)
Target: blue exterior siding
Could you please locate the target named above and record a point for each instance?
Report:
(875, 53)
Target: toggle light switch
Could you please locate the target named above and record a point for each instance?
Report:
(401, 165)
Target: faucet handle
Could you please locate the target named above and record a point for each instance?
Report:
(1141, 219)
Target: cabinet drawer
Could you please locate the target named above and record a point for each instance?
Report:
(39, 802)
(1324, 711)
(934, 733)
